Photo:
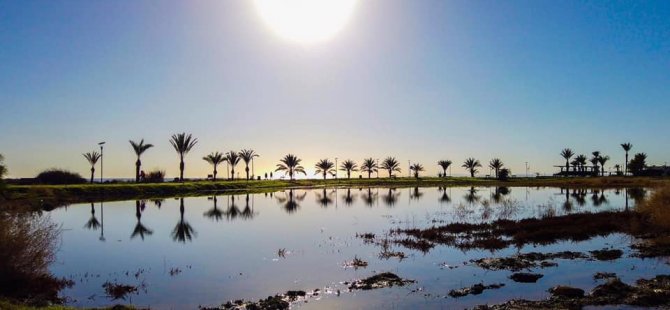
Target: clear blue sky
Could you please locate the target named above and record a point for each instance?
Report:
(419, 80)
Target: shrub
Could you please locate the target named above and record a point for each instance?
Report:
(59, 176)
(657, 207)
(503, 174)
(156, 176)
(3, 172)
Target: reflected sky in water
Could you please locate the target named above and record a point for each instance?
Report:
(207, 250)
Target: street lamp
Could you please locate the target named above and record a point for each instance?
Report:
(409, 169)
(101, 144)
(336, 169)
(377, 168)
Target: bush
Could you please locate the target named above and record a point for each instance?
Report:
(58, 176)
(503, 174)
(156, 176)
(3, 172)
(657, 207)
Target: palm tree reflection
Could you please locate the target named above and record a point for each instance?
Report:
(471, 196)
(324, 198)
(232, 212)
(499, 193)
(92, 223)
(369, 197)
(444, 198)
(214, 213)
(391, 198)
(349, 199)
(183, 230)
(290, 201)
(140, 230)
(415, 194)
(248, 213)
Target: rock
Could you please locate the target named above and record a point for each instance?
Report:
(604, 275)
(614, 290)
(566, 291)
(473, 290)
(386, 279)
(606, 254)
(524, 277)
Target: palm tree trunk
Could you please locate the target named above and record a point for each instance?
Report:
(92, 174)
(444, 172)
(324, 175)
(567, 167)
(390, 172)
(246, 169)
(138, 163)
(369, 174)
(214, 175)
(348, 174)
(625, 169)
(181, 169)
(472, 173)
(232, 172)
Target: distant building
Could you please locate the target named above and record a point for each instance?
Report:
(657, 171)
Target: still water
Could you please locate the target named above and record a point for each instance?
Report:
(186, 252)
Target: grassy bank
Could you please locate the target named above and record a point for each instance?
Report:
(119, 191)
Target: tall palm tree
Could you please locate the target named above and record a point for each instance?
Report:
(496, 164)
(369, 165)
(214, 159)
(92, 158)
(626, 147)
(325, 166)
(348, 166)
(233, 158)
(182, 143)
(290, 164)
(471, 165)
(390, 164)
(567, 154)
(416, 167)
(444, 164)
(602, 160)
(139, 149)
(247, 156)
(581, 161)
(595, 160)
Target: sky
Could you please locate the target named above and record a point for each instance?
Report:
(418, 80)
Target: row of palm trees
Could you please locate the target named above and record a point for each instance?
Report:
(598, 160)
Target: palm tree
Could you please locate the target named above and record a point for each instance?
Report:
(348, 166)
(232, 158)
(567, 154)
(182, 143)
(247, 156)
(325, 166)
(214, 159)
(416, 167)
(496, 164)
(139, 149)
(626, 147)
(602, 160)
(369, 165)
(595, 160)
(390, 164)
(471, 165)
(618, 169)
(444, 164)
(290, 164)
(92, 158)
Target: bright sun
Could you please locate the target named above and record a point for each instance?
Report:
(306, 21)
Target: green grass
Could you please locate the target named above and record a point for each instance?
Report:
(118, 191)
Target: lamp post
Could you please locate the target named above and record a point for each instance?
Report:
(101, 166)
(336, 170)
(377, 168)
(409, 169)
(253, 174)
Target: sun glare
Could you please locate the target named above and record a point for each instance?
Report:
(306, 21)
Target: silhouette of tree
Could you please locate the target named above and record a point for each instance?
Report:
(444, 198)
(290, 164)
(93, 223)
(567, 154)
(325, 166)
(638, 163)
(444, 164)
(391, 198)
(391, 165)
(247, 212)
(499, 193)
(324, 198)
(602, 160)
(140, 229)
(471, 165)
(214, 159)
(247, 156)
(416, 167)
(182, 144)
(183, 231)
(626, 147)
(214, 213)
(369, 166)
(496, 164)
(580, 160)
(595, 160)
(139, 149)
(348, 198)
(290, 201)
(348, 166)
(415, 194)
(233, 159)
(92, 158)
(233, 211)
(471, 195)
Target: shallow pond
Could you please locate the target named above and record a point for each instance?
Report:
(193, 251)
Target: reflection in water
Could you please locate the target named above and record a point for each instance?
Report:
(323, 198)
(567, 204)
(598, 197)
(391, 198)
(232, 211)
(93, 223)
(248, 212)
(290, 201)
(580, 196)
(348, 198)
(369, 198)
(444, 198)
(499, 193)
(183, 230)
(102, 222)
(140, 229)
(214, 213)
(415, 194)
(471, 196)
(158, 202)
